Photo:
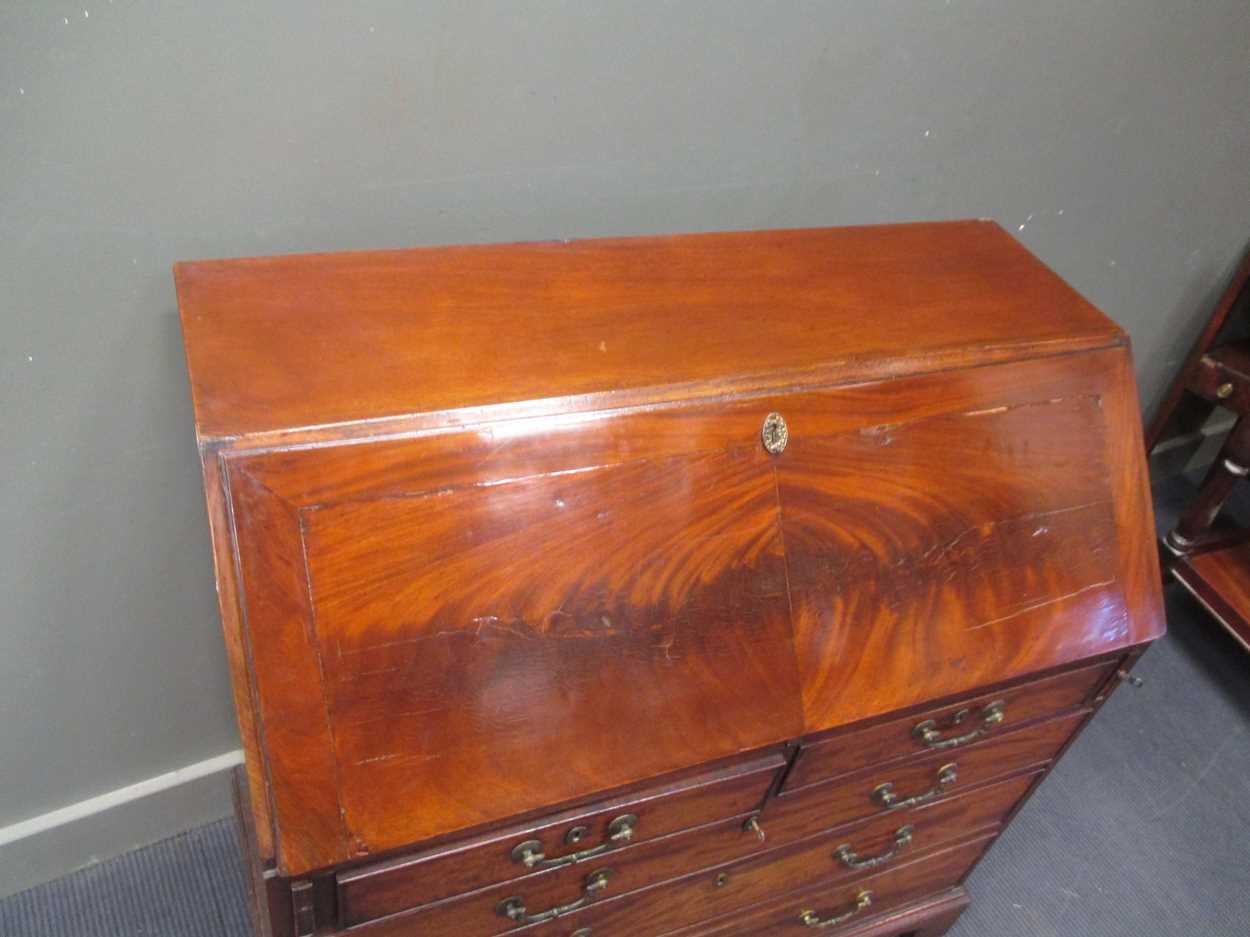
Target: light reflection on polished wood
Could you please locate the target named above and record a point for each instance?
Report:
(501, 556)
(501, 590)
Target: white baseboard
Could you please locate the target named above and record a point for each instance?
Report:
(50, 845)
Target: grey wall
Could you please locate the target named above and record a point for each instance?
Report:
(1113, 136)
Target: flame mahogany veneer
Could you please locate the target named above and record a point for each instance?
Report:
(510, 570)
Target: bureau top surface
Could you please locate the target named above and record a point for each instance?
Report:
(283, 344)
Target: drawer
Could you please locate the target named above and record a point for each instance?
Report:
(946, 728)
(788, 916)
(922, 779)
(732, 890)
(489, 910)
(549, 856)
(928, 916)
(892, 836)
(868, 846)
(665, 907)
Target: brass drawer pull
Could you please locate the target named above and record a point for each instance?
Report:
(514, 908)
(885, 796)
(929, 735)
(862, 901)
(849, 858)
(530, 853)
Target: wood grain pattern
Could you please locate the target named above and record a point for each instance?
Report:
(496, 537)
(447, 579)
(295, 342)
(907, 589)
(661, 604)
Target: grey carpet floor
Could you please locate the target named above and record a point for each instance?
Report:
(1142, 830)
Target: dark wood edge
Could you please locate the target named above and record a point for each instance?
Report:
(1224, 614)
(220, 523)
(1222, 534)
(268, 896)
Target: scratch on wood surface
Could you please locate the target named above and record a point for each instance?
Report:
(1042, 604)
(408, 757)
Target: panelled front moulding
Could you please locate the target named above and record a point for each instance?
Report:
(718, 584)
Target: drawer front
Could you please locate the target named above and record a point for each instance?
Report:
(890, 837)
(947, 728)
(549, 857)
(825, 904)
(882, 841)
(703, 897)
(928, 916)
(890, 788)
(506, 906)
(665, 907)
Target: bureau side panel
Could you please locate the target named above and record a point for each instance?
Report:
(1138, 558)
(286, 667)
(219, 522)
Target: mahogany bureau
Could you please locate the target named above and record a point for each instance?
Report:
(721, 584)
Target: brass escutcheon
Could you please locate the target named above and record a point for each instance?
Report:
(775, 433)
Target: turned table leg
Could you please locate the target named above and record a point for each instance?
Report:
(1232, 465)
